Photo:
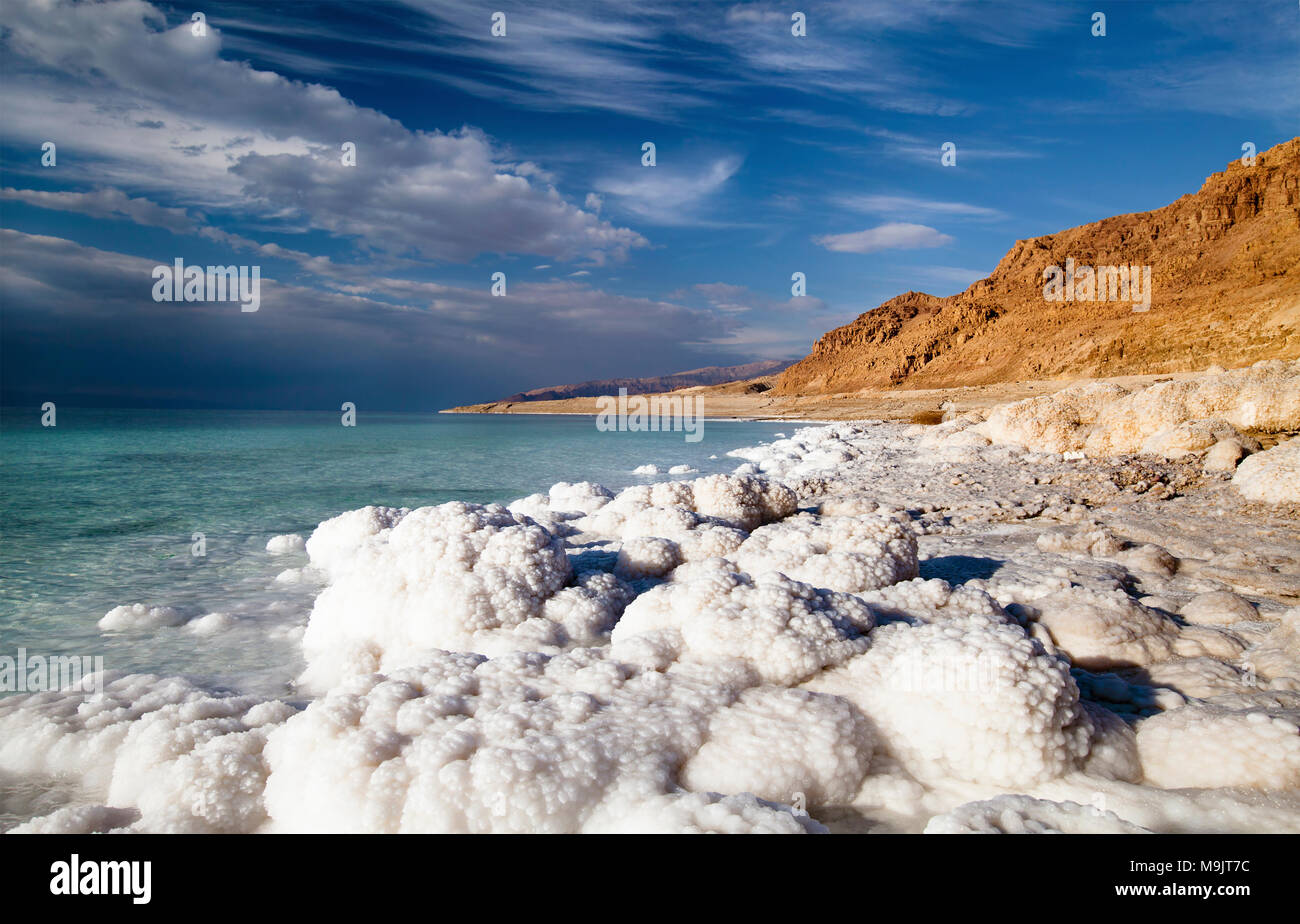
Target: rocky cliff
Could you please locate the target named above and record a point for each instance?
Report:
(1225, 288)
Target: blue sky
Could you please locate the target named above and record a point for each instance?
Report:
(522, 154)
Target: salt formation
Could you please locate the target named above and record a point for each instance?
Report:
(528, 743)
(563, 503)
(816, 449)
(1104, 630)
(1224, 455)
(776, 742)
(333, 543)
(211, 623)
(1218, 607)
(966, 698)
(739, 502)
(188, 760)
(840, 552)
(1023, 815)
(1274, 661)
(1247, 740)
(457, 576)
(1191, 436)
(1052, 423)
(286, 544)
(703, 518)
(1172, 418)
(1272, 477)
(694, 537)
(921, 601)
(782, 629)
(646, 557)
(139, 616)
(82, 819)
(1265, 396)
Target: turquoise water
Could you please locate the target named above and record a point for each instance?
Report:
(101, 510)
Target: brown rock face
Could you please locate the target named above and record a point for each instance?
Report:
(1225, 288)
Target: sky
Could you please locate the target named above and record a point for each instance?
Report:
(221, 142)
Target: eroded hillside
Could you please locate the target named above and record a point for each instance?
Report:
(1225, 274)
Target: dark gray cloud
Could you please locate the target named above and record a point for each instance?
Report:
(81, 327)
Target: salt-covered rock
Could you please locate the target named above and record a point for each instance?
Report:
(969, 699)
(527, 743)
(1266, 399)
(1052, 423)
(783, 629)
(1191, 436)
(139, 616)
(286, 544)
(1224, 456)
(1272, 476)
(851, 554)
(457, 576)
(1219, 607)
(1011, 814)
(187, 759)
(1238, 741)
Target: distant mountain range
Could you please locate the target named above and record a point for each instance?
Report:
(708, 375)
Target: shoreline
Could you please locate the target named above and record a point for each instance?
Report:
(735, 401)
(719, 419)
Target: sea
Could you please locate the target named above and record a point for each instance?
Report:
(174, 508)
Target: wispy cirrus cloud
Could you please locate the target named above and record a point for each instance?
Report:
(914, 205)
(737, 299)
(1201, 66)
(669, 195)
(603, 55)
